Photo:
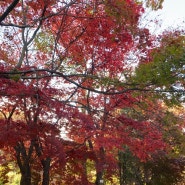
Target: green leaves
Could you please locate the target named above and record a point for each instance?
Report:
(164, 70)
(164, 73)
(44, 41)
(14, 75)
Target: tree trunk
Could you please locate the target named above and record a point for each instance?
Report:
(100, 162)
(99, 178)
(23, 161)
(46, 168)
(26, 175)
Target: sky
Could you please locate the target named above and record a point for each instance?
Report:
(173, 12)
(172, 15)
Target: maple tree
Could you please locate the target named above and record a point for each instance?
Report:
(65, 65)
(164, 166)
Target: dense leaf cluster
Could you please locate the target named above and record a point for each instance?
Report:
(73, 107)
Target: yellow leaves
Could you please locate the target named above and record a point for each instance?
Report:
(154, 4)
(90, 12)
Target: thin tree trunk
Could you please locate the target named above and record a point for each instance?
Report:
(100, 167)
(99, 178)
(46, 168)
(23, 163)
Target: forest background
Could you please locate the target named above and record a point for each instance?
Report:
(90, 94)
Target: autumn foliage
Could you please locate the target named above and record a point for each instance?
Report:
(68, 99)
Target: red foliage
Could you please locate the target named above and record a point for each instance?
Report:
(64, 69)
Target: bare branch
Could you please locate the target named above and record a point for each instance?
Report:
(15, 25)
(26, 43)
(8, 10)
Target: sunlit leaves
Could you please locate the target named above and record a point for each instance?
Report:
(154, 4)
(44, 42)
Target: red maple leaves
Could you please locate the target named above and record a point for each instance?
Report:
(68, 70)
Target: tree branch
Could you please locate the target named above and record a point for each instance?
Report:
(8, 10)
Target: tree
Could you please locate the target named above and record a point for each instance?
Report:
(165, 166)
(163, 70)
(65, 65)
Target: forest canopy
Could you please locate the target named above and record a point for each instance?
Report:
(88, 95)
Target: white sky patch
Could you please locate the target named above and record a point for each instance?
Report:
(172, 15)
